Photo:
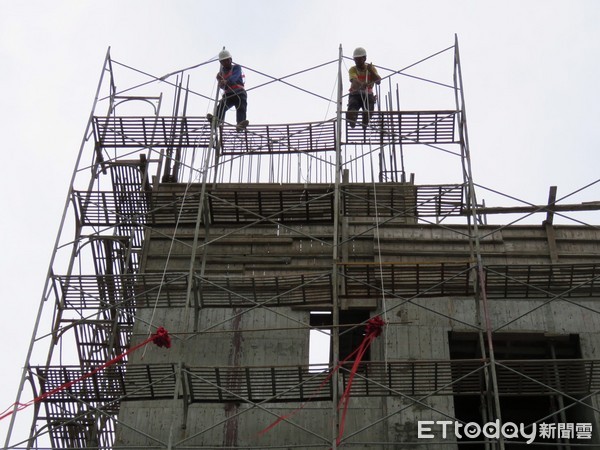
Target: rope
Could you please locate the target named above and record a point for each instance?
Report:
(310, 160)
(161, 338)
(171, 245)
(262, 330)
(373, 329)
(164, 77)
(380, 265)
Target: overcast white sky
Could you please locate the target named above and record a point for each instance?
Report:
(530, 67)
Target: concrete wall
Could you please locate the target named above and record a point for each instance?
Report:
(418, 328)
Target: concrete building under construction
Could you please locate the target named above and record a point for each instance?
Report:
(266, 252)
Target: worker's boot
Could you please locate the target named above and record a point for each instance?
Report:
(242, 125)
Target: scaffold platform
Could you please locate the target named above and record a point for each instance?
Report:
(304, 383)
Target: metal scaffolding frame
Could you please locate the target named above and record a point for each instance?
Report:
(143, 176)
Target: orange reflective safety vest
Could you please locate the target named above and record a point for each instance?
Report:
(362, 76)
(234, 79)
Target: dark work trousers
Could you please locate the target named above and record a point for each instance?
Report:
(238, 99)
(357, 101)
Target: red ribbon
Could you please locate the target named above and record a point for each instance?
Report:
(372, 330)
(161, 338)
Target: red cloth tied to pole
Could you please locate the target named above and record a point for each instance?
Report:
(373, 329)
(161, 338)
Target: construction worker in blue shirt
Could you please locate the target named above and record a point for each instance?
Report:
(231, 81)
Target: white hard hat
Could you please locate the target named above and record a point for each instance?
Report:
(224, 54)
(358, 52)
